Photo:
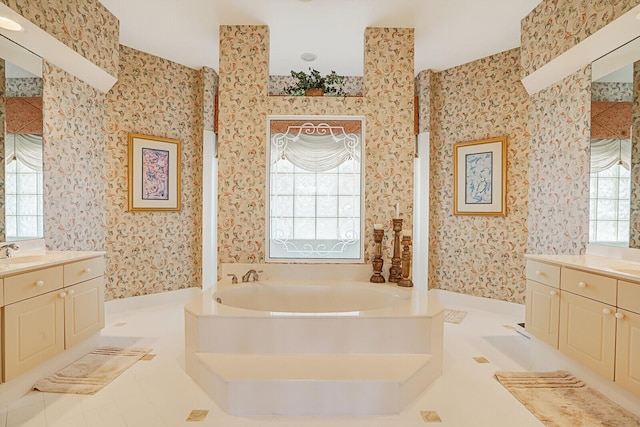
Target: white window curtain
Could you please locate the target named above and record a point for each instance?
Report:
(25, 147)
(608, 152)
(314, 152)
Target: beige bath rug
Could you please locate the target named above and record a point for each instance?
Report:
(92, 372)
(559, 399)
(454, 316)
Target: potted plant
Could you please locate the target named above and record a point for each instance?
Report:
(315, 84)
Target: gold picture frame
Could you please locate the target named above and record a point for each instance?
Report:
(480, 177)
(154, 173)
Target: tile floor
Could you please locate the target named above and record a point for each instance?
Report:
(157, 392)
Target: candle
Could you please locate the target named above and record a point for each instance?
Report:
(397, 210)
(406, 233)
(377, 226)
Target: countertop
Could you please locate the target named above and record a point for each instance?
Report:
(34, 260)
(614, 267)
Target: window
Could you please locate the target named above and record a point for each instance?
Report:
(609, 206)
(24, 211)
(315, 190)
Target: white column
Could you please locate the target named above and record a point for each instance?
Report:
(420, 262)
(209, 211)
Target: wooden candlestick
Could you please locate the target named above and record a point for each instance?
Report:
(406, 281)
(378, 262)
(395, 272)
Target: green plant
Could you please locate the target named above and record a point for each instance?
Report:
(331, 84)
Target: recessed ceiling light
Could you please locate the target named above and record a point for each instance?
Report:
(308, 56)
(9, 24)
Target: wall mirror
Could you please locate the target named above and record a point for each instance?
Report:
(21, 146)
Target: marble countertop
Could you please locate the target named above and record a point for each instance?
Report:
(614, 267)
(34, 260)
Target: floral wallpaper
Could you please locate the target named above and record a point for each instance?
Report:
(559, 173)
(24, 87)
(353, 85)
(74, 162)
(479, 255)
(612, 91)
(210, 87)
(634, 222)
(244, 106)
(86, 26)
(423, 92)
(150, 252)
(554, 27)
(2, 133)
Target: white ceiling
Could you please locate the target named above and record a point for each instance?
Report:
(447, 32)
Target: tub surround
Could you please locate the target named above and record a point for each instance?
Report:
(302, 362)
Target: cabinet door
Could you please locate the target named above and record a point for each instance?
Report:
(542, 312)
(628, 351)
(588, 332)
(33, 332)
(84, 310)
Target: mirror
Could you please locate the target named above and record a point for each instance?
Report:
(614, 106)
(21, 150)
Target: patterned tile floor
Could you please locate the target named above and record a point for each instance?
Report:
(157, 392)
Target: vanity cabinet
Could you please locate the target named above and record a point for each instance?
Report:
(50, 310)
(543, 301)
(596, 320)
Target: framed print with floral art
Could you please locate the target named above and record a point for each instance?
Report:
(479, 177)
(154, 173)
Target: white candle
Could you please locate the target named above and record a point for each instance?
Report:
(397, 210)
(406, 233)
(377, 226)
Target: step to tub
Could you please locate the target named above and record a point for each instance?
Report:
(313, 384)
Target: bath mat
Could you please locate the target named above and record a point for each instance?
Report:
(92, 372)
(454, 316)
(559, 399)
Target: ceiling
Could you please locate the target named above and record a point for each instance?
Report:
(447, 32)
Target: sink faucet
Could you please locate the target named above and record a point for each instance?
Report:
(251, 274)
(7, 248)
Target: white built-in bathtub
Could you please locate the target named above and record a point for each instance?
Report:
(263, 348)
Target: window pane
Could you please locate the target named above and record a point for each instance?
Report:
(623, 231)
(607, 209)
(328, 185)
(304, 228)
(305, 184)
(282, 228)
(607, 231)
(327, 228)
(282, 184)
(607, 188)
(305, 206)
(327, 206)
(282, 206)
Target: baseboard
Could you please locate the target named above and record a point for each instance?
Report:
(143, 301)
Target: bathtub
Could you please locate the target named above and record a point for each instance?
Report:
(367, 349)
(335, 298)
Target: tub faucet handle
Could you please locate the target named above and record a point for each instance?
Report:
(7, 248)
(251, 274)
(234, 279)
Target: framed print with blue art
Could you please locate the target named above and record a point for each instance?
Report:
(479, 177)
(154, 173)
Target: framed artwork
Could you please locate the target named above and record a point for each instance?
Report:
(154, 173)
(479, 177)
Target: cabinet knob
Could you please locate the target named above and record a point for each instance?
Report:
(606, 311)
(553, 293)
(62, 294)
(539, 273)
(40, 283)
(582, 285)
(619, 316)
(71, 291)
(86, 271)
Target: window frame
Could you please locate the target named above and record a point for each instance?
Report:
(314, 118)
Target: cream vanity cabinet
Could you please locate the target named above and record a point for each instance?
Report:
(49, 310)
(593, 318)
(543, 301)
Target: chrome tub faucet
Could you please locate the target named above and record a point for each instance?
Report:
(251, 274)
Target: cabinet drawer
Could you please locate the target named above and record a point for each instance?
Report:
(80, 271)
(594, 286)
(542, 272)
(34, 283)
(629, 296)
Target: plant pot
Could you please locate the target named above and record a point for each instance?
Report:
(314, 91)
